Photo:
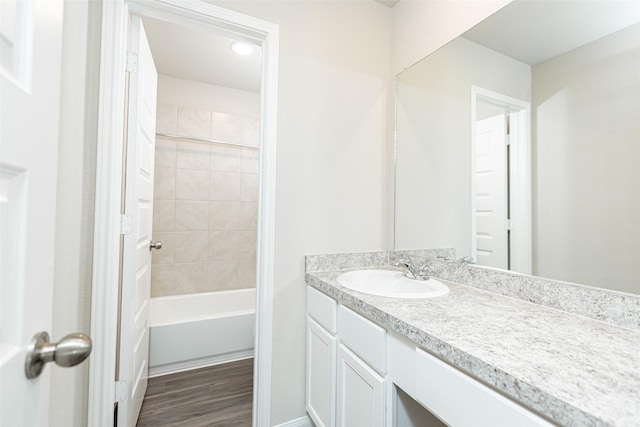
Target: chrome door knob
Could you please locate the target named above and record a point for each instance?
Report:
(71, 350)
(155, 245)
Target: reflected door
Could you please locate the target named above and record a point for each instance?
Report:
(490, 196)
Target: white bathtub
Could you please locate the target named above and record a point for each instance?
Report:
(193, 331)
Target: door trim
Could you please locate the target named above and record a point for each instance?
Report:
(520, 177)
(106, 251)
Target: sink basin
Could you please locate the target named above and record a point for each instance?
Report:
(391, 284)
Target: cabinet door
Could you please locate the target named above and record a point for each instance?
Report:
(361, 392)
(321, 375)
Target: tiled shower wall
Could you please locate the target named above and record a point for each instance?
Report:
(205, 202)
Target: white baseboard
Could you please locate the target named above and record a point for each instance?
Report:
(298, 422)
(204, 362)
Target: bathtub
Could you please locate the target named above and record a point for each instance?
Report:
(193, 331)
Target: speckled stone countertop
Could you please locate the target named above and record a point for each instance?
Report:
(574, 370)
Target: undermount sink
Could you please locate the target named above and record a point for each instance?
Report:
(393, 284)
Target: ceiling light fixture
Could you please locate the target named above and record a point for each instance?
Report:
(241, 48)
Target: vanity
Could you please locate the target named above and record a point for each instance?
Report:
(466, 358)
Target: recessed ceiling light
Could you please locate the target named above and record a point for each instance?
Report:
(242, 48)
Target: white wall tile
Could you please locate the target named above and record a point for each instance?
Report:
(249, 187)
(164, 183)
(192, 216)
(224, 215)
(193, 155)
(167, 119)
(225, 158)
(191, 278)
(163, 280)
(205, 209)
(250, 131)
(224, 245)
(221, 274)
(164, 255)
(191, 246)
(225, 186)
(250, 160)
(247, 244)
(194, 123)
(245, 274)
(165, 152)
(192, 184)
(163, 215)
(248, 216)
(226, 127)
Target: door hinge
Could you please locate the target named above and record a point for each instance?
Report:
(125, 224)
(132, 62)
(120, 391)
(508, 224)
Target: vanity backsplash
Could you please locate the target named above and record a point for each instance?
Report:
(612, 307)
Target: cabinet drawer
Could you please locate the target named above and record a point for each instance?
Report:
(363, 337)
(444, 390)
(322, 309)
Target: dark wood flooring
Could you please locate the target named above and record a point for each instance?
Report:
(218, 396)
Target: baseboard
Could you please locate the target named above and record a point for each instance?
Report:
(204, 362)
(298, 422)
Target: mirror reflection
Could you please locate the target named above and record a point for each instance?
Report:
(518, 144)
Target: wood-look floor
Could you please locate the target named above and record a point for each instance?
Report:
(215, 396)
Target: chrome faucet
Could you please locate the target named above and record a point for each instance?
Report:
(414, 271)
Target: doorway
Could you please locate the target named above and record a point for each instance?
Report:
(500, 171)
(200, 15)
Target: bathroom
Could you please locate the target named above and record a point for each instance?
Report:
(334, 188)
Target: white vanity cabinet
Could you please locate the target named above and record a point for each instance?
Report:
(362, 364)
(361, 375)
(345, 372)
(321, 358)
(361, 392)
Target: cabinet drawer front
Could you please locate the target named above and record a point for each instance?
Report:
(322, 309)
(363, 337)
(460, 400)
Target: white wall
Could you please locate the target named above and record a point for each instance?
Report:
(203, 96)
(332, 127)
(586, 150)
(433, 153)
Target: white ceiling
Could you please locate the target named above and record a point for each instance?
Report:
(200, 55)
(534, 31)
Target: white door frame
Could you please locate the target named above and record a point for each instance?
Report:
(519, 177)
(109, 170)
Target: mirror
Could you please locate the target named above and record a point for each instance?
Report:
(518, 144)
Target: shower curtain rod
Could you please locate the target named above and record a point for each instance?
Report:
(167, 135)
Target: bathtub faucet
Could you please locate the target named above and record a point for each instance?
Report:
(413, 270)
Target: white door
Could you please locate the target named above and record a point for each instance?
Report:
(31, 41)
(361, 392)
(136, 258)
(491, 192)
